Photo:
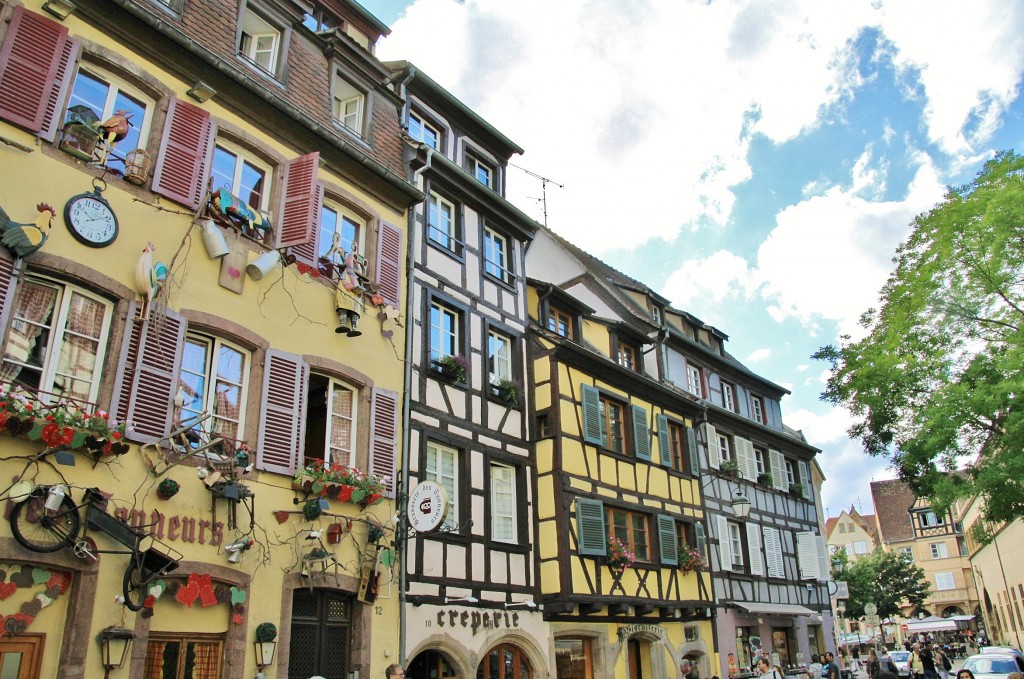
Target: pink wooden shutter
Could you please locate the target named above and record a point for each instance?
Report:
(52, 118)
(384, 436)
(8, 286)
(181, 166)
(155, 382)
(126, 362)
(389, 263)
(29, 64)
(307, 252)
(299, 202)
(283, 415)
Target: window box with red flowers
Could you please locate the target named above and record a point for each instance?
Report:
(339, 482)
(618, 557)
(61, 424)
(690, 560)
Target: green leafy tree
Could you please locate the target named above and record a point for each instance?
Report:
(887, 579)
(939, 376)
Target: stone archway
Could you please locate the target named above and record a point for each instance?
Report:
(443, 646)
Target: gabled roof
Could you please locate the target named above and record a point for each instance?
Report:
(893, 500)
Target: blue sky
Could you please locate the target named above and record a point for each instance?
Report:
(756, 162)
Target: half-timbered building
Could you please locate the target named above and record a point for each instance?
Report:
(767, 552)
(621, 520)
(204, 209)
(472, 596)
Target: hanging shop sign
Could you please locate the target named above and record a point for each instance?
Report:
(428, 506)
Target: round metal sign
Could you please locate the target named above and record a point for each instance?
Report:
(428, 506)
(870, 609)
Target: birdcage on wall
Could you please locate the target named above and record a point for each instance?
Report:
(137, 166)
(79, 140)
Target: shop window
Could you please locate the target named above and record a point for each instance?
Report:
(504, 524)
(57, 342)
(432, 664)
(198, 656)
(331, 417)
(320, 633)
(504, 662)
(574, 659)
(214, 379)
(242, 174)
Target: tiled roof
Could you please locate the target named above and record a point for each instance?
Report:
(892, 500)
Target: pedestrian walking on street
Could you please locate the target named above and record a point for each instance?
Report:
(928, 661)
(942, 663)
(855, 658)
(874, 667)
(915, 663)
(831, 667)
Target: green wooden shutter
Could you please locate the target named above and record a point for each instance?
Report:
(691, 446)
(641, 434)
(590, 527)
(664, 441)
(667, 540)
(698, 530)
(591, 414)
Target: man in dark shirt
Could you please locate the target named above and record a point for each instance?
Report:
(928, 662)
(832, 667)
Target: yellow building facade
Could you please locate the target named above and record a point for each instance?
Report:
(254, 278)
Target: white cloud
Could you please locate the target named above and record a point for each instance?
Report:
(761, 354)
(718, 277)
(802, 368)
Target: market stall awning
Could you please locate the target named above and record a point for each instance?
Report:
(932, 624)
(774, 609)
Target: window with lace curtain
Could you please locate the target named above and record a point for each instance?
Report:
(197, 656)
(57, 342)
(330, 421)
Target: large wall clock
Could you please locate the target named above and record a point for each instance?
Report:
(90, 219)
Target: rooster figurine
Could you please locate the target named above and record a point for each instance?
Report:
(150, 277)
(24, 239)
(114, 129)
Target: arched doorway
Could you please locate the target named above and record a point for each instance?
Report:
(950, 611)
(505, 661)
(431, 665)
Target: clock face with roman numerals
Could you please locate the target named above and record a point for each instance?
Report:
(91, 220)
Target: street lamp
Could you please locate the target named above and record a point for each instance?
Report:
(740, 505)
(115, 644)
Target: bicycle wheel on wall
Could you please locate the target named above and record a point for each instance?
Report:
(43, 530)
(134, 585)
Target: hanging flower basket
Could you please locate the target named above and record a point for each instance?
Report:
(690, 560)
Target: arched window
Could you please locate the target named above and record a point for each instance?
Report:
(504, 662)
(431, 665)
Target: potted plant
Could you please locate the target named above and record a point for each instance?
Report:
(266, 631)
(765, 479)
(729, 467)
(796, 489)
(618, 557)
(690, 560)
(508, 391)
(167, 489)
(454, 368)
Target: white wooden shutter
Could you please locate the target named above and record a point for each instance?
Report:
(155, 381)
(384, 437)
(668, 549)
(711, 436)
(664, 441)
(641, 434)
(779, 478)
(283, 416)
(590, 527)
(807, 555)
(805, 479)
(299, 202)
(724, 546)
(773, 552)
(823, 560)
(745, 458)
(754, 547)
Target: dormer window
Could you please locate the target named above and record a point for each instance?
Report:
(260, 42)
(318, 19)
(348, 104)
(560, 322)
(481, 171)
(421, 130)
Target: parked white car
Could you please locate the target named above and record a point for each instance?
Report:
(994, 665)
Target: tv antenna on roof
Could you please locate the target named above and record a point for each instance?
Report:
(544, 181)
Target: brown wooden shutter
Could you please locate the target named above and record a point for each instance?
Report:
(30, 62)
(9, 270)
(283, 414)
(52, 118)
(299, 202)
(384, 436)
(182, 164)
(389, 263)
(307, 252)
(126, 362)
(155, 381)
